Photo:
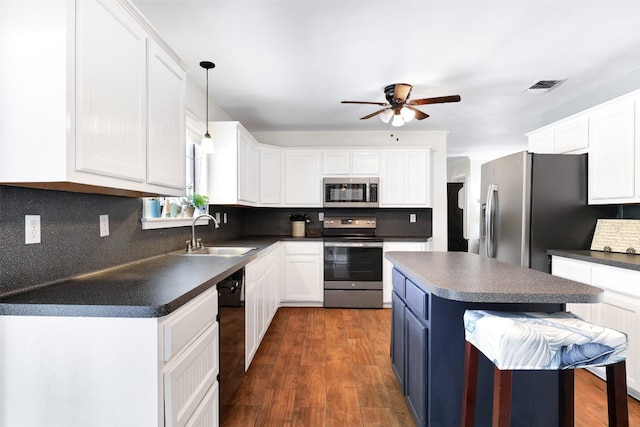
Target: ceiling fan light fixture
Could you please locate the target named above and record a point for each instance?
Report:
(407, 114)
(206, 144)
(397, 120)
(386, 116)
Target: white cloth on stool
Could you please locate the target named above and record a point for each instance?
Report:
(532, 341)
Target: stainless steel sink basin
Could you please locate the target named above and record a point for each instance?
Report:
(222, 250)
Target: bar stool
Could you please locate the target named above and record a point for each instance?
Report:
(541, 341)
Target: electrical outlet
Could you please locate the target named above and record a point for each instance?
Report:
(31, 229)
(412, 217)
(224, 218)
(320, 216)
(217, 216)
(104, 225)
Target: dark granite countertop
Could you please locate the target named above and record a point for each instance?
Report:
(463, 276)
(152, 287)
(613, 259)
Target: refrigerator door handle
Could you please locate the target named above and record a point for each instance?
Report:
(490, 218)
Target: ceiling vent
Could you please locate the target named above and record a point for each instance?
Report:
(543, 86)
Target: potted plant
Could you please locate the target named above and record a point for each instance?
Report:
(200, 201)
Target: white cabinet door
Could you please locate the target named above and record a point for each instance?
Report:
(336, 162)
(387, 266)
(542, 141)
(270, 176)
(251, 323)
(303, 277)
(248, 167)
(578, 271)
(572, 135)
(365, 163)
(166, 142)
(405, 178)
(111, 100)
(620, 309)
(612, 153)
(622, 313)
(302, 178)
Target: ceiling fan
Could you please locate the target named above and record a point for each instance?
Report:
(399, 107)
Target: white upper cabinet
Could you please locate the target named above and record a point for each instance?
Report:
(610, 134)
(345, 162)
(270, 176)
(613, 154)
(566, 136)
(405, 178)
(336, 162)
(111, 123)
(302, 178)
(233, 170)
(542, 141)
(365, 163)
(248, 168)
(572, 135)
(166, 124)
(109, 110)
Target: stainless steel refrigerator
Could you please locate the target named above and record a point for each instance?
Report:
(536, 202)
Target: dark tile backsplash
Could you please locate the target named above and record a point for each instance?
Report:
(71, 242)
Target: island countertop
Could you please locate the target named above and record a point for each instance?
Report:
(467, 277)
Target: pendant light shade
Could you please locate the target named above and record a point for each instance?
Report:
(206, 144)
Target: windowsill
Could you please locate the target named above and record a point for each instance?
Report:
(155, 223)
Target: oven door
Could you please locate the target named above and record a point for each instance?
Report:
(353, 265)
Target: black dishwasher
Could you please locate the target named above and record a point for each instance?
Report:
(232, 342)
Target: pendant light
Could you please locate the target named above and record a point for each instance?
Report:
(207, 143)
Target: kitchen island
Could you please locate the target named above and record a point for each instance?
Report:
(431, 291)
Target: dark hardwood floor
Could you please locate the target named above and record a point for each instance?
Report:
(331, 367)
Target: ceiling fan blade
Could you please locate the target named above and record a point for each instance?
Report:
(437, 100)
(364, 102)
(419, 114)
(373, 114)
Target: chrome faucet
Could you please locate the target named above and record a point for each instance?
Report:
(197, 244)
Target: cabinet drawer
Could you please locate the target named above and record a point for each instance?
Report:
(617, 280)
(185, 324)
(417, 300)
(207, 412)
(188, 378)
(570, 269)
(398, 282)
(303, 248)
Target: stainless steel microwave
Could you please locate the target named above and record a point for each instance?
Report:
(359, 192)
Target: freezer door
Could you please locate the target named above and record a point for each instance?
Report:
(509, 221)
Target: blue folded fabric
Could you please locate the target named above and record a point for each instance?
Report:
(532, 341)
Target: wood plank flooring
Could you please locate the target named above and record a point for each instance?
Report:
(331, 367)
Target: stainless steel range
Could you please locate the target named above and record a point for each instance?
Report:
(352, 263)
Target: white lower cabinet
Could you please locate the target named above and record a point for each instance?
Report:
(303, 273)
(262, 298)
(387, 266)
(111, 371)
(620, 309)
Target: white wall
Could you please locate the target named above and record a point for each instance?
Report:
(196, 104)
(437, 140)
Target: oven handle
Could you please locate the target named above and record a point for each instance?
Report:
(352, 244)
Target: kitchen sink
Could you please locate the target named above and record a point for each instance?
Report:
(222, 250)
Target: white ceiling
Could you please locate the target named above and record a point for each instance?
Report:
(286, 65)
